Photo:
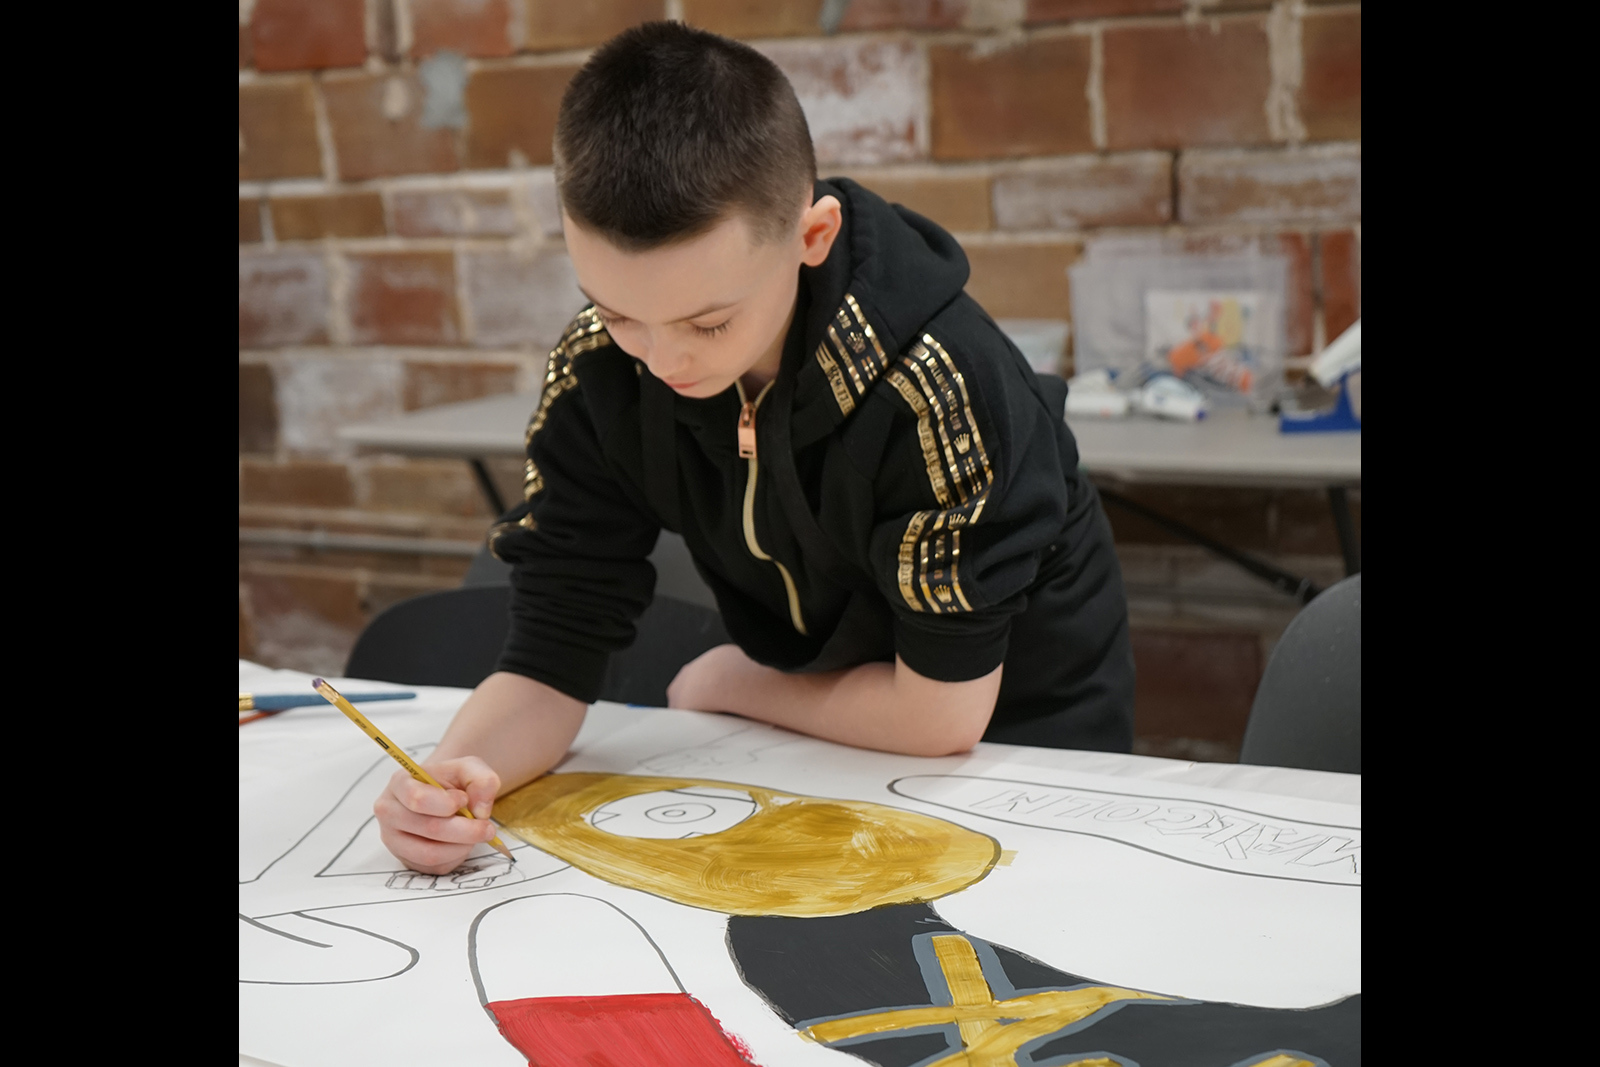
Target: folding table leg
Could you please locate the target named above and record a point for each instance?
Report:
(486, 484)
(1302, 589)
(1339, 502)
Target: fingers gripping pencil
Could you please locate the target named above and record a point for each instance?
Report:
(332, 696)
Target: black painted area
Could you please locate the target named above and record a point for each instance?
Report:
(811, 969)
(818, 968)
(1214, 1035)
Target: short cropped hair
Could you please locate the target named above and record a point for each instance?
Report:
(667, 129)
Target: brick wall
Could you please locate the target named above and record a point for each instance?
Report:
(400, 247)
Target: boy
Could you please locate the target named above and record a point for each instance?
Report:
(788, 373)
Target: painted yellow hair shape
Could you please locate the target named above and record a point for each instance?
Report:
(795, 856)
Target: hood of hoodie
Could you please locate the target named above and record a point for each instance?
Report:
(889, 272)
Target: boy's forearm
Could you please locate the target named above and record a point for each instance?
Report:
(516, 725)
(875, 705)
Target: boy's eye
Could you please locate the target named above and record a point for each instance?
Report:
(710, 331)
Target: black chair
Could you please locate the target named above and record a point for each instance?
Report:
(454, 637)
(1307, 711)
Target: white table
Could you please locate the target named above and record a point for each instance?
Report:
(314, 750)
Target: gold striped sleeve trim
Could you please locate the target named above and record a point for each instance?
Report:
(841, 392)
(943, 416)
(930, 447)
(849, 364)
(966, 409)
(908, 557)
(584, 334)
(866, 328)
(958, 465)
(851, 355)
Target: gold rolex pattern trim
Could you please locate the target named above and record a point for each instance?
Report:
(851, 356)
(959, 473)
(584, 334)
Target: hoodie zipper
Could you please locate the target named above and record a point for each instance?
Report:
(747, 452)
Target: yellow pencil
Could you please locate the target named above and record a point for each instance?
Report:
(331, 695)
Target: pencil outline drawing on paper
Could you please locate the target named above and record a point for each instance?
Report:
(1218, 836)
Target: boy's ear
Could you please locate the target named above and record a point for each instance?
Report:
(819, 225)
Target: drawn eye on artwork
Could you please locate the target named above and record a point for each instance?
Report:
(674, 813)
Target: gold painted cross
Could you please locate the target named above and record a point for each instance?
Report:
(992, 1031)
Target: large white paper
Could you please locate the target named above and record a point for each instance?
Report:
(1132, 881)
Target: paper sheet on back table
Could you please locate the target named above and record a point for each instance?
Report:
(696, 888)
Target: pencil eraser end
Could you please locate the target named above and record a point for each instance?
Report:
(317, 683)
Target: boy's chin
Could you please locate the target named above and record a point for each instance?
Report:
(701, 390)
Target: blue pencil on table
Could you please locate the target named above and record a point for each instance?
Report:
(271, 702)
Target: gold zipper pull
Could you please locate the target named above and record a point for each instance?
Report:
(747, 431)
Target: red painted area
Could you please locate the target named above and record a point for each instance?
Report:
(659, 1029)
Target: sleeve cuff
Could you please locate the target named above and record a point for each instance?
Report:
(959, 649)
(577, 672)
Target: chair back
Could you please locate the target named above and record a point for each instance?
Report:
(454, 637)
(1307, 711)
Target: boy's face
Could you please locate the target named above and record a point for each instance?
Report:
(707, 312)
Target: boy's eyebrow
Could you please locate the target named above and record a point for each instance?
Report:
(686, 318)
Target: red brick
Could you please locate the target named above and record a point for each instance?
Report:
(1066, 10)
(308, 34)
(330, 597)
(1023, 281)
(1341, 281)
(1134, 190)
(1174, 86)
(863, 98)
(466, 27)
(306, 218)
(246, 54)
(1026, 100)
(278, 131)
(756, 18)
(258, 409)
(958, 202)
(425, 487)
(513, 109)
(1330, 82)
(521, 299)
(403, 298)
(904, 15)
(430, 384)
(300, 483)
(453, 213)
(1318, 184)
(558, 24)
(283, 299)
(368, 143)
(249, 221)
(1194, 683)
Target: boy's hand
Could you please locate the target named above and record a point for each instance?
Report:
(419, 824)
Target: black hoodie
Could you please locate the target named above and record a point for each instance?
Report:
(914, 492)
